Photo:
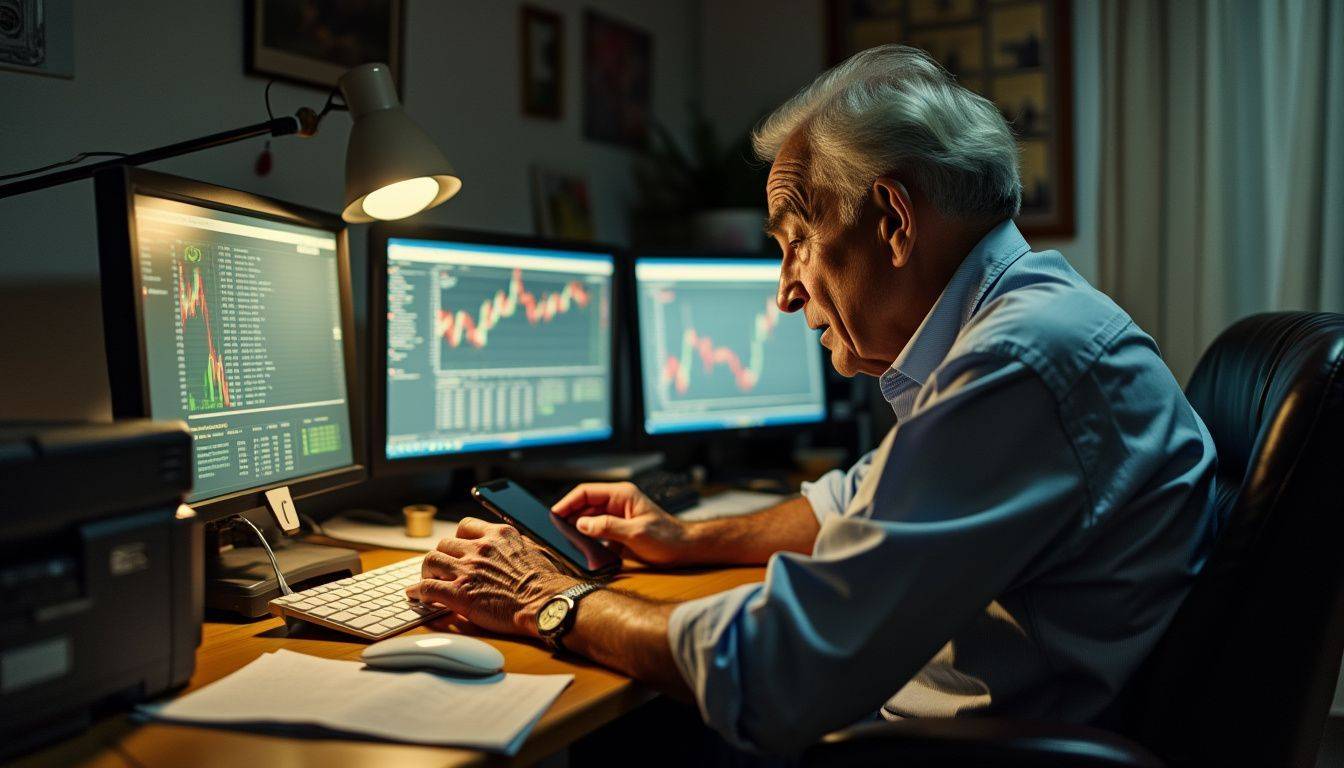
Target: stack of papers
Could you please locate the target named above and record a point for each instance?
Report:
(344, 697)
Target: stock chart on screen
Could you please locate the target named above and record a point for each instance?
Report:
(494, 347)
(242, 331)
(716, 352)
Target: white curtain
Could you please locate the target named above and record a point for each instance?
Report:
(1222, 163)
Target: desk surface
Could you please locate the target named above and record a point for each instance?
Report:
(596, 696)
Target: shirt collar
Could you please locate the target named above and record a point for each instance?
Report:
(959, 300)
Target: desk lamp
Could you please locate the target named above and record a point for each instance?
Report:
(392, 168)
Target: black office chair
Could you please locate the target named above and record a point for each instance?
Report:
(1245, 673)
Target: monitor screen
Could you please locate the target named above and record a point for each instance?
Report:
(716, 352)
(242, 340)
(495, 347)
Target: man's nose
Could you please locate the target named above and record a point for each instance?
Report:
(791, 296)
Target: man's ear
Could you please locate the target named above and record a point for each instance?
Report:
(896, 218)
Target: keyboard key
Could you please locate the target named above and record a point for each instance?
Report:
(381, 627)
(406, 615)
(303, 605)
(321, 611)
(345, 582)
(360, 622)
(383, 613)
(342, 617)
(358, 610)
(342, 593)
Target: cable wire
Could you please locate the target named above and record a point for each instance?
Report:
(275, 564)
(266, 95)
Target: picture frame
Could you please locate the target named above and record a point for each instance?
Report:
(617, 81)
(37, 37)
(562, 204)
(1016, 53)
(541, 47)
(314, 42)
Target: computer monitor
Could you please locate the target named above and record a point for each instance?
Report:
(487, 346)
(716, 353)
(232, 312)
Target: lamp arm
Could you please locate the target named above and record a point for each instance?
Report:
(304, 122)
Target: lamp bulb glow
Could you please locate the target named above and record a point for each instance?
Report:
(401, 199)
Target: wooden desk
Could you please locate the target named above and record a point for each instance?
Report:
(596, 696)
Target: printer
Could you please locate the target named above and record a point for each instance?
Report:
(100, 573)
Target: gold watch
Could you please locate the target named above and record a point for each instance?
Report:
(556, 616)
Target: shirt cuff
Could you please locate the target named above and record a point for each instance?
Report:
(824, 495)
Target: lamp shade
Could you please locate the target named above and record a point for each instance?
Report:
(392, 168)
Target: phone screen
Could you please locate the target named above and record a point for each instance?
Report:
(525, 511)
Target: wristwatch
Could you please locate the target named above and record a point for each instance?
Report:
(556, 616)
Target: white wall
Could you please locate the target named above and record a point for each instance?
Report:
(156, 71)
(757, 53)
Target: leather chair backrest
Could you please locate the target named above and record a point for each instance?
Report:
(1246, 672)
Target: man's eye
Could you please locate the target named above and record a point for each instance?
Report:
(794, 243)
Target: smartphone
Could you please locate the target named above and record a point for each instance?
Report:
(585, 555)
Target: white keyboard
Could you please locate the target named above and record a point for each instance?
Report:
(371, 605)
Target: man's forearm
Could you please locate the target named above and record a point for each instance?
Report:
(751, 539)
(628, 633)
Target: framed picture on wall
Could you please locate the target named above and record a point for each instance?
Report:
(542, 44)
(561, 204)
(1016, 53)
(617, 79)
(313, 42)
(37, 37)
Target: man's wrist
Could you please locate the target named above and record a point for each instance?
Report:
(698, 543)
(549, 587)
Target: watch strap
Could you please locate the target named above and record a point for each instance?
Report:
(583, 588)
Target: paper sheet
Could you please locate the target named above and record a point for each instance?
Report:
(730, 503)
(390, 536)
(288, 688)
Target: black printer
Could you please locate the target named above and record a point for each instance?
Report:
(100, 573)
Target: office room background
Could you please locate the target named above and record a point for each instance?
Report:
(1207, 149)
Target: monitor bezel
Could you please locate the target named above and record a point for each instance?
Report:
(644, 440)
(379, 235)
(123, 316)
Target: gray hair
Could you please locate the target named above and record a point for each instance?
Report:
(894, 109)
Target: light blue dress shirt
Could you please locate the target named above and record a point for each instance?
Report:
(1015, 546)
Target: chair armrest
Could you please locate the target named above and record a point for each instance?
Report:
(982, 742)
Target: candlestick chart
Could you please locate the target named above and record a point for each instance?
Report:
(501, 318)
(719, 354)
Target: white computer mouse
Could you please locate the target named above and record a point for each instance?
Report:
(437, 651)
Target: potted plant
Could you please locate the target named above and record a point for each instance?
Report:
(707, 196)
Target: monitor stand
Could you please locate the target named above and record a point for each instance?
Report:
(239, 578)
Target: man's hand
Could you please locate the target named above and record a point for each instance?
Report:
(491, 576)
(621, 513)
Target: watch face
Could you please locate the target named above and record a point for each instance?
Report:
(552, 615)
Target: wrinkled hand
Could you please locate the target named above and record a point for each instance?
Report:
(621, 513)
(492, 576)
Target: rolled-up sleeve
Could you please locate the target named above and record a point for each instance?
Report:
(830, 494)
(961, 497)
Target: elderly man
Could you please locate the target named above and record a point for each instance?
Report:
(1015, 545)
